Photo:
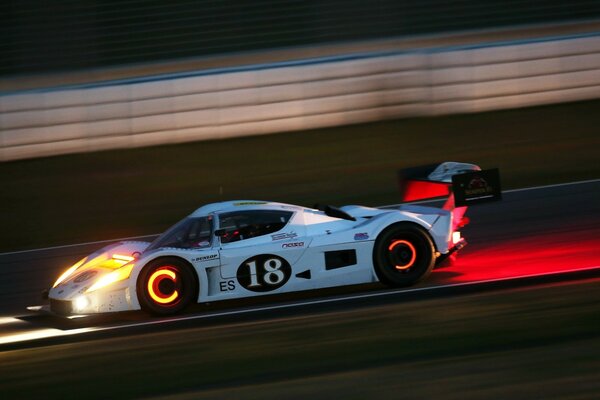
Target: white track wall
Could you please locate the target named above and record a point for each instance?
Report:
(294, 96)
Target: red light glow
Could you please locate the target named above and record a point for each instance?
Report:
(522, 256)
(414, 190)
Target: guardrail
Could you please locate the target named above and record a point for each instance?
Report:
(298, 95)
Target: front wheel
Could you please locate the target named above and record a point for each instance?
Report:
(403, 255)
(166, 286)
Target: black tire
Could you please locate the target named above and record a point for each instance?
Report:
(166, 286)
(403, 255)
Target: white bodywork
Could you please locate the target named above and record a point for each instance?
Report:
(302, 242)
(446, 170)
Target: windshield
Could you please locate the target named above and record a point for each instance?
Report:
(189, 233)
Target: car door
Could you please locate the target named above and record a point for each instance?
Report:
(258, 249)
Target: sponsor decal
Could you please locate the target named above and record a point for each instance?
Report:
(477, 186)
(361, 236)
(294, 244)
(206, 258)
(248, 203)
(85, 276)
(285, 235)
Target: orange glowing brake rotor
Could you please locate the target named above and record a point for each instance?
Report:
(412, 250)
(162, 296)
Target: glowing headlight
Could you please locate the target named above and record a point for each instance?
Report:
(80, 303)
(69, 272)
(115, 276)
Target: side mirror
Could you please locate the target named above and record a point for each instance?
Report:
(220, 232)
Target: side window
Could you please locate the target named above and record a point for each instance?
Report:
(199, 234)
(189, 233)
(241, 225)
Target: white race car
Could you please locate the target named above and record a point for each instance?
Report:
(246, 248)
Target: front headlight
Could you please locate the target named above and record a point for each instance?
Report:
(80, 303)
(69, 272)
(115, 276)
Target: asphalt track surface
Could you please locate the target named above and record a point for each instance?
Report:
(532, 236)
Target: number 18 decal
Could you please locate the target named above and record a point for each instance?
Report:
(264, 273)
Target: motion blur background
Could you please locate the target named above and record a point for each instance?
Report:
(44, 37)
(365, 87)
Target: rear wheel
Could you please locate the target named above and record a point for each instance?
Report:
(403, 255)
(166, 286)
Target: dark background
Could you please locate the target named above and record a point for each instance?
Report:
(46, 36)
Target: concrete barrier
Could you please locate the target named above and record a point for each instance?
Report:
(308, 94)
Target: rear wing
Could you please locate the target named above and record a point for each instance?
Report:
(476, 187)
(466, 183)
(461, 184)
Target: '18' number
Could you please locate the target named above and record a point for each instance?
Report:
(264, 273)
(273, 274)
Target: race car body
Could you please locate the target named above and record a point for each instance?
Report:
(245, 248)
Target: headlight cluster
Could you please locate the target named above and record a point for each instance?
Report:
(69, 272)
(120, 264)
(80, 303)
(115, 276)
